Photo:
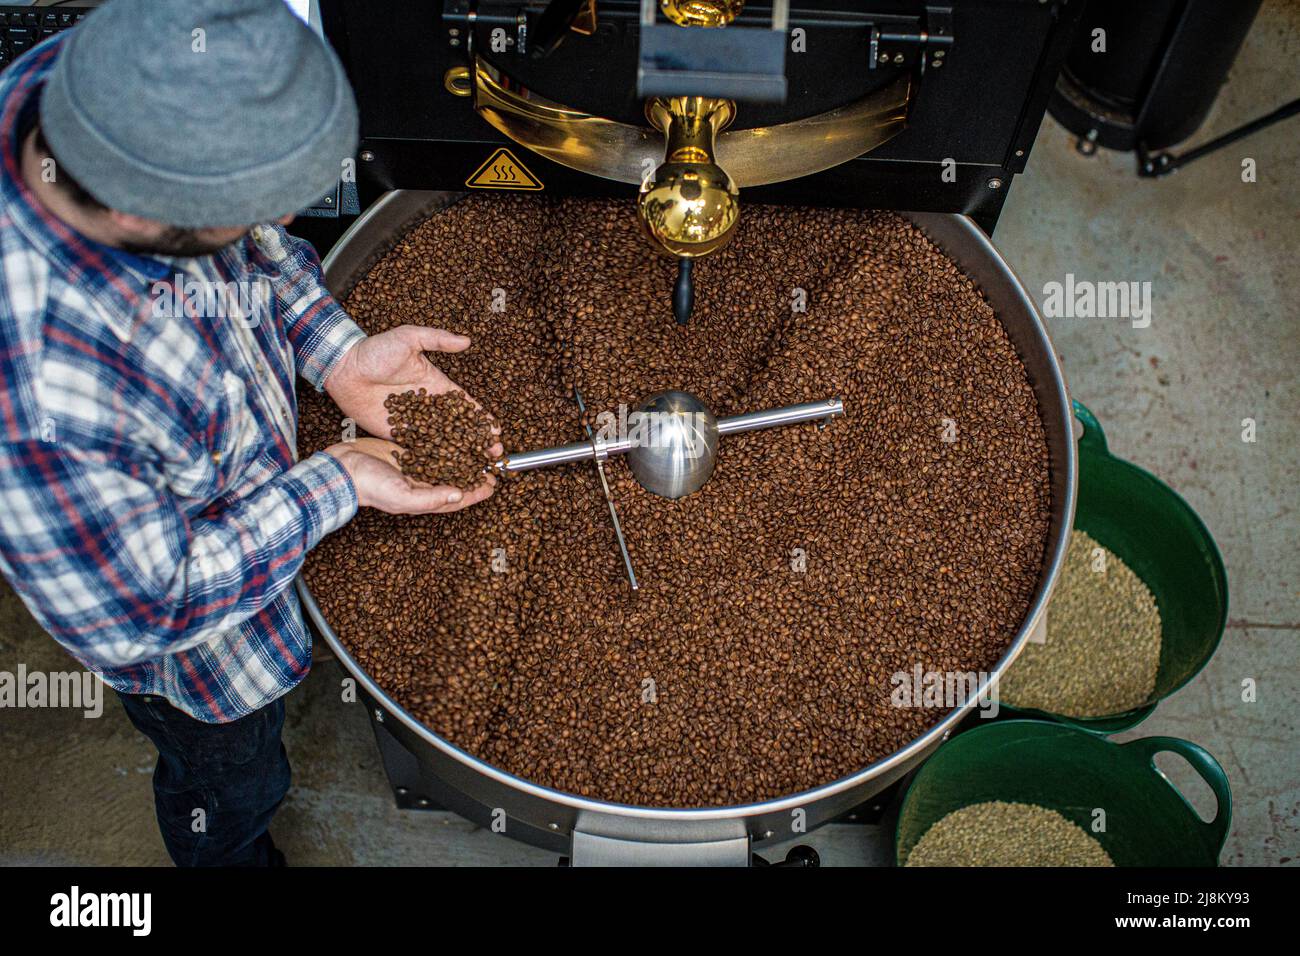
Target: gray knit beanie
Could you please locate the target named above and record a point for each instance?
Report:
(199, 112)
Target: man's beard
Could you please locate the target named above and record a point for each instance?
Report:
(176, 241)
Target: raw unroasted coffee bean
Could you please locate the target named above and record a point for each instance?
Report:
(776, 603)
(1102, 650)
(444, 438)
(1007, 834)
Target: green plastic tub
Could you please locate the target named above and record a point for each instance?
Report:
(1147, 821)
(1152, 530)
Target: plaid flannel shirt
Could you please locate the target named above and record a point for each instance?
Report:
(153, 514)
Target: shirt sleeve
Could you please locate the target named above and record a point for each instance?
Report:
(115, 570)
(319, 329)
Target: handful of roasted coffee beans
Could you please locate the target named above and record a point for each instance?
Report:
(445, 438)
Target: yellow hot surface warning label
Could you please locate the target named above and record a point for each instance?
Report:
(503, 171)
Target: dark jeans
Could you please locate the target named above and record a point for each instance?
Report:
(235, 773)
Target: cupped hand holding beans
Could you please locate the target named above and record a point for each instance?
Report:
(393, 361)
(371, 463)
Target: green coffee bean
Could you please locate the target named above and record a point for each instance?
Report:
(1103, 640)
(1007, 834)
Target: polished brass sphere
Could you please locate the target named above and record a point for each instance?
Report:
(689, 206)
(689, 209)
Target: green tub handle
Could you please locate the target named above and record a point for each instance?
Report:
(1092, 437)
(1203, 762)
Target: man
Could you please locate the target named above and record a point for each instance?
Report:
(153, 513)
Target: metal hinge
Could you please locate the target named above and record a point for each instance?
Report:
(506, 21)
(926, 48)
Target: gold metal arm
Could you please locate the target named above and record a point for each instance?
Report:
(625, 153)
(688, 163)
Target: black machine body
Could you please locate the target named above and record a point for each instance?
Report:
(978, 74)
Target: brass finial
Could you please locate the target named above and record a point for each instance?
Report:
(689, 206)
(701, 13)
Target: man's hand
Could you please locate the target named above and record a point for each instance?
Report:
(379, 481)
(392, 361)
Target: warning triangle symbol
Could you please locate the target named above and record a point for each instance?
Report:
(503, 171)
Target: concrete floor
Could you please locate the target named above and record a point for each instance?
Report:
(1223, 345)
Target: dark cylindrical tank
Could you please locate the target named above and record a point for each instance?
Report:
(1156, 78)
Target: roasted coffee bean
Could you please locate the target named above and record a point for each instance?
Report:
(776, 603)
(444, 438)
